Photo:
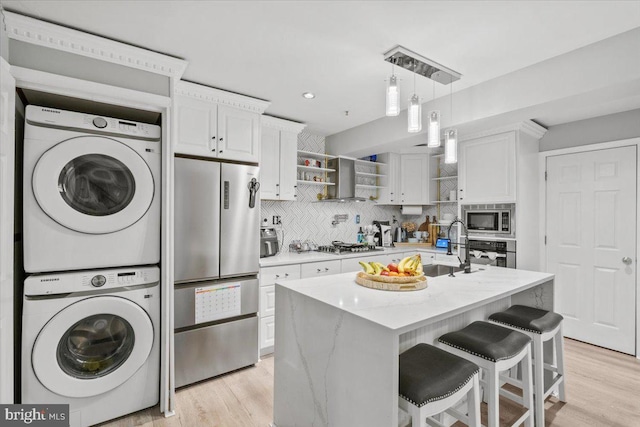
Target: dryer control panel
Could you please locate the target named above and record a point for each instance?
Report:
(82, 281)
(52, 117)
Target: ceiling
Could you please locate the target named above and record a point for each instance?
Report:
(276, 50)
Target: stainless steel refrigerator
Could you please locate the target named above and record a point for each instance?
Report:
(217, 250)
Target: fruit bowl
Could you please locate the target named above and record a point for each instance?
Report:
(391, 279)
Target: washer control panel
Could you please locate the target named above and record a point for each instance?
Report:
(63, 283)
(52, 117)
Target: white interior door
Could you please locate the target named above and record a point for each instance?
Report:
(591, 241)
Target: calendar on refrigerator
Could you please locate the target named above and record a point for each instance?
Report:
(217, 302)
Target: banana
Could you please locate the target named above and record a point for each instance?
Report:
(382, 266)
(402, 265)
(376, 268)
(367, 267)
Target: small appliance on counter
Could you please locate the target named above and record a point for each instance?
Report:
(400, 235)
(269, 245)
(384, 233)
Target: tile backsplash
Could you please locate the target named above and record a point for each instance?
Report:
(308, 219)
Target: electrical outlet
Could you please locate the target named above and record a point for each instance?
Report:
(276, 220)
(358, 219)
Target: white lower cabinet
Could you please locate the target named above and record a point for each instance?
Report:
(267, 334)
(323, 268)
(269, 276)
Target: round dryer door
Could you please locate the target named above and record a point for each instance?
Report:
(92, 346)
(93, 185)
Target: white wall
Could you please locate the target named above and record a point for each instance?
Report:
(613, 127)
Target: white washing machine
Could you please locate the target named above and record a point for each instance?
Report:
(90, 339)
(91, 191)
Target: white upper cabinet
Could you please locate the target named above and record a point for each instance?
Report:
(487, 169)
(278, 159)
(390, 194)
(407, 179)
(238, 134)
(217, 124)
(414, 179)
(197, 128)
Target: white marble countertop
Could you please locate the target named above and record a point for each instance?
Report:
(286, 258)
(404, 311)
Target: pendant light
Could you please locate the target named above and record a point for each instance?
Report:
(414, 112)
(451, 139)
(433, 136)
(393, 95)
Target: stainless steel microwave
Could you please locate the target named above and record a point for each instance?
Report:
(489, 221)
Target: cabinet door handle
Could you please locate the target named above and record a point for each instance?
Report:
(220, 151)
(277, 276)
(286, 274)
(213, 150)
(626, 260)
(319, 271)
(277, 194)
(326, 269)
(221, 139)
(277, 185)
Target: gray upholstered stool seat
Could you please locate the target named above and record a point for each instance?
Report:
(486, 340)
(528, 318)
(433, 381)
(496, 349)
(428, 373)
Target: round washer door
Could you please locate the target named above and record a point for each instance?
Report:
(92, 346)
(93, 185)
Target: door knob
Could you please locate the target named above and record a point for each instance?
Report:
(626, 260)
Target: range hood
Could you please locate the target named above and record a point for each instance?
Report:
(344, 189)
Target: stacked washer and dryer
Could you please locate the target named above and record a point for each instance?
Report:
(91, 226)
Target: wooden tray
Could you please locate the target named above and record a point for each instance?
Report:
(397, 284)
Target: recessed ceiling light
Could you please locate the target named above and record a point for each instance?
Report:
(308, 95)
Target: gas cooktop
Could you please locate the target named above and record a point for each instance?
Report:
(339, 248)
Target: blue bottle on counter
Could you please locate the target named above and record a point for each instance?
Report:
(360, 236)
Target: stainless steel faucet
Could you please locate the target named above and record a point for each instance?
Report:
(467, 260)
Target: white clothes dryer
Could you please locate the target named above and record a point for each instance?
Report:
(90, 339)
(91, 191)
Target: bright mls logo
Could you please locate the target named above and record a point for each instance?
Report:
(34, 415)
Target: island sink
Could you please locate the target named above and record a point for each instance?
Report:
(435, 270)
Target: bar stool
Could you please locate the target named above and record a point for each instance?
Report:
(432, 381)
(496, 349)
(540, 326)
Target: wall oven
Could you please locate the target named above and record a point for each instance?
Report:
(489, 221)
(496, 253)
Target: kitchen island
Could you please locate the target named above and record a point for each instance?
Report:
(337, 343)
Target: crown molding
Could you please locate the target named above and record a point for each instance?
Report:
(209, 94)
(527, 127)
(30, 30)
(282, 125)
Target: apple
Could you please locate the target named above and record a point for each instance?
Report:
(384, 273)
(393, 267)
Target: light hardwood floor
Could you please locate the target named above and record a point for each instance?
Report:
(603, 389)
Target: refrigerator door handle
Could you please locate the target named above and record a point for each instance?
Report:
(226, 195)
(253, 187)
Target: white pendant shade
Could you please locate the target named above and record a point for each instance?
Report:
(433, 138)
(450, 146)
(414, 114)
(393, 97)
